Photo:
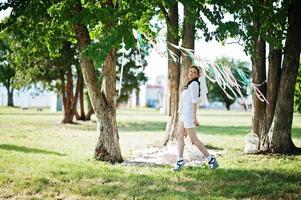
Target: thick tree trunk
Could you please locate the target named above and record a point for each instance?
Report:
(108, 116)
(274, 73)
(259, 78)
(103, 102)
(173, 65)
(280, 140)
(10, 96)
(67, 96)
(66, 77)
(172, 19)
(188, 43)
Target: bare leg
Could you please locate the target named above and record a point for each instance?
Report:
(195, 141)
(181, 134)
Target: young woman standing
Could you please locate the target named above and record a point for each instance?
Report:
(188, 120)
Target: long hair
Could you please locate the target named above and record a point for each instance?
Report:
(195, 79)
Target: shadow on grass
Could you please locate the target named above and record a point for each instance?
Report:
(24, 149)
(128, 126)
(296, 132)
(236, 130)
(224, 130)
(208, 146)
(160, 127)
(191, 183)
(142, 126)
(233, 114)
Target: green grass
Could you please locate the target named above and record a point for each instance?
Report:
(43, 159)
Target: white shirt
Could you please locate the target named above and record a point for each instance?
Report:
(187, 98)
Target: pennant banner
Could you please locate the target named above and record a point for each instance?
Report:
(216, 73)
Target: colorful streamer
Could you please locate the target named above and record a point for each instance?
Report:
(217, 73)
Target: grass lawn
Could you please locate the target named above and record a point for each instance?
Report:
(43, 159)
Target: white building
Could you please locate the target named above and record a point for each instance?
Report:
(32, 98)
(154, 95)
(149, 96)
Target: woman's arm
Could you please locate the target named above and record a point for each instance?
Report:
(194, 112)
(194, 91)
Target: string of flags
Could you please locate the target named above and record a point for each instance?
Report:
(215, 72)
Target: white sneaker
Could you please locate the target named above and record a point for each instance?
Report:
(179, 165)
(213, 163)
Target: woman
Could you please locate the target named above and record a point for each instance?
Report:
(188, 120)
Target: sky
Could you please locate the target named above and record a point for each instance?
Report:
(4, 13)
(157, 65)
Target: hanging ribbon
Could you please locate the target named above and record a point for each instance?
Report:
(218, 74)
(122, 65)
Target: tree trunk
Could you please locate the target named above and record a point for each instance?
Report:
(80, 80)
(10, 96)
(90, 108)
(81, 98)
(173, 65)
(103, 101)
(280, 140)
(108, 117)
(297, 98)
(172, 19)
(259, 78)
(228, 106)
(77, 117)
(63, 88)
(188, 43)
(137, 97)
(274, 73)
(76, 96)
(89, 113)
(67, 96)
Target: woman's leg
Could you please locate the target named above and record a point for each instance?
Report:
(181, 134)
(195, 141)
(180, 137)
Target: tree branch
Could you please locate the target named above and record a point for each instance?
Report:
(165, 13)
(236, 42)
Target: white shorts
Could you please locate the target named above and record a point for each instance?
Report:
(188, 123)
